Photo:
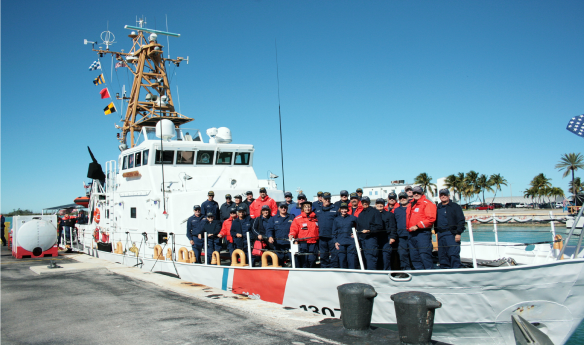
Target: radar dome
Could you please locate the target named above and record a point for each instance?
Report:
(223, 135)
(165, 129)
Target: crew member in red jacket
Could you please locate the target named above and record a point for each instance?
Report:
(355, 207)
(305, 229)
(255, 209)
(226, 230)
(420, 217)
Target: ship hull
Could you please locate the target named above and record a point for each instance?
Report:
(477, 303)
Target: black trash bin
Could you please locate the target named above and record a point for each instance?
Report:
(415, 316)
(356, 302)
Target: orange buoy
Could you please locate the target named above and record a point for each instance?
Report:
(96, 216)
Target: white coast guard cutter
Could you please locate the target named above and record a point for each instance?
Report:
(145, 196)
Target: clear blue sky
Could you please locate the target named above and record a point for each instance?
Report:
(371, 91)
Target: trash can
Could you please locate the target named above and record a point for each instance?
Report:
(414, 312)
(356, 300)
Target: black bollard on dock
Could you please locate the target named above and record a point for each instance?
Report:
(356, 302)
(415, 316)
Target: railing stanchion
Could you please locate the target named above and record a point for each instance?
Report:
(205, 239)
(358, 249)
(472, 247)
(248, 249)
(496, 235)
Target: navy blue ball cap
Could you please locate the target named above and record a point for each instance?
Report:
(344, 193)
(263, 190)
(354, 196)
(197, 207)
(211, 193)
(287, 194)
(283, 204)
(249, 192)
(237, 196)
(227, 196)
(301, 196)
(379, 201)
(240, 209)
(326, 195)
(319, 194)
(418, 189)
(444, 191)
(408, 188)
(392, 196)
(344, 205)
(210, 214)
(265, 207)
(365, 199)
(403, 195)
(359, 190)
(233, 210)
(306, 202)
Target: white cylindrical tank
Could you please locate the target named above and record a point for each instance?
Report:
(223, 135)
(36, 234)
(165, 129)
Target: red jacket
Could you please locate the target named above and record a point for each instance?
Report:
(305, 221)
(422, 213)
(226, 229)
(255, 209)
(357, 211)
(387, 207)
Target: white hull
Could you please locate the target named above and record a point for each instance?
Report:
(477, 303)
(570, 223)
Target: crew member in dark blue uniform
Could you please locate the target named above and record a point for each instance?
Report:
(212, 228)
(403, 235)
(385, 238)
(343, 236)
(296, 209)
(318, 204)
(288, 199)
(344, 198)
(326, 215)
(239, 228)
(278, 232)
(359, 192)
(211, 205)
(82, 217)
(260, 228)
(249, 199)
(224, 209)
(449, 226)
(239, 202)
(194, 228)
(368, 223)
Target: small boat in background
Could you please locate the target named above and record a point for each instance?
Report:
(82, 200)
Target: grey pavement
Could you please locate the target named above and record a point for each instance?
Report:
(99, 306)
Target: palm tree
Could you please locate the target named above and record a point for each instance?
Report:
(576, 185)
(497, 181)
(539, 186)
(460, 184)
(450, 182)
(471, 183)
(483, 183)
(571, 162)
(425, 182)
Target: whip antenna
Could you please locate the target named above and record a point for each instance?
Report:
(280, 115)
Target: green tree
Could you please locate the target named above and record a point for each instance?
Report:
(470, 184)
(571, 162)
(425, 182)
(497, 181)
(576, 185)
(451, 183)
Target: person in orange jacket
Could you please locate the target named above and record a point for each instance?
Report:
(420, 217)
(226, 230)
(391, 202)
(255, 209)
(355, 207)
(305, 228)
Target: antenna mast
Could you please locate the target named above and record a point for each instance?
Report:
(147, 63)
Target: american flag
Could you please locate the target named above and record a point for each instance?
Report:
(120, 64)
(95, 65)
(576, 125)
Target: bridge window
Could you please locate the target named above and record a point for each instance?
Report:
(205, 157)
(185, 157)
(138, 159)
(145, 157)
(132, 212)
(125, 164)
(242, 158)
(166, 157)
(224, 158)
(131, 161)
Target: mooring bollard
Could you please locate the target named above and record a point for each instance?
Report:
(356, 302)
(415, 316)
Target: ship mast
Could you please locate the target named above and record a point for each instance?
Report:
(147, 63)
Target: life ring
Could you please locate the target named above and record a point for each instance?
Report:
(96, 234)
(96, 215)
(265, 259)
(238, 253)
